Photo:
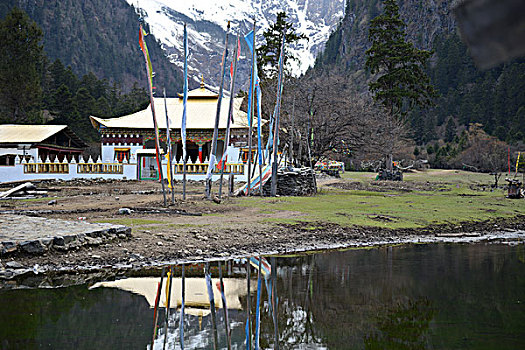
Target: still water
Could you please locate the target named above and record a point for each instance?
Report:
(414, 296)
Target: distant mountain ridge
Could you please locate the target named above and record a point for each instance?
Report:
(100, 37)
(207, 21)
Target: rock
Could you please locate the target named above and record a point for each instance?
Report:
(52, 202)
(59, 241)
(48, 241)
(125, 211)
(33, 247)
(14, 265)
(160, 243)
(95, 256)
(293, 182)
(8, 247)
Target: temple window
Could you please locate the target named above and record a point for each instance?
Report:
(121, 154)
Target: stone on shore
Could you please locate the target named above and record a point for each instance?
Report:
(36, 235)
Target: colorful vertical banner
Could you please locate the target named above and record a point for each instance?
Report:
(213, 156)
(249, 40)
(518, 162)
(149, 72)
(185, 94)
(169, 154)
(144, 48)
(276, 118)
(233, 72)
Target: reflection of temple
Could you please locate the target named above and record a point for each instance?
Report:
(196, 292)
(197, 325)
(132, 136)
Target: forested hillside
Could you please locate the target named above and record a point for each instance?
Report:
(35, 90)
(100, 37)
(494, 98)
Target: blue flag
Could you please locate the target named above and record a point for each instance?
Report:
(249, 40)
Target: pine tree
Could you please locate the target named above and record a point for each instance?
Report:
(268, 53)
(402, 82)
(21, 65)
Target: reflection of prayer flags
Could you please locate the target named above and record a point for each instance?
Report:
(258, 312)
(266, 268)
(167, 286)
(181, 320)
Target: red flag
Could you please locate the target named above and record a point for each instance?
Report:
(238, 54)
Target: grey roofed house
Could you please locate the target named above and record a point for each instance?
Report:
(38, 142)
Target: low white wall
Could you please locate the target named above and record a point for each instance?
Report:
(17, 172)
(70, 171)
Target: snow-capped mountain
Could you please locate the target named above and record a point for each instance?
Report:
(207, 21)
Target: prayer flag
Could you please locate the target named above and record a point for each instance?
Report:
(185, 94)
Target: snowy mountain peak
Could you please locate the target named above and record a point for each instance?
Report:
(207, 21)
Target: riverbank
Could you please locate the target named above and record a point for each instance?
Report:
(352, 211)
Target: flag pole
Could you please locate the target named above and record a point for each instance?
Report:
(149, 71)
(184, 115)
(292, 132)
(277, 114)
(259, 136)
(213, 155)
(310, 138)
(250, 114)
(168, 148)
(230, 113)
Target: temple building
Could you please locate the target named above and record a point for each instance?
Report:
(38, 143)
(131, 138)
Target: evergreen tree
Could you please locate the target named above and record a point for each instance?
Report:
(402, 82)
(268, 53)
(21, 66)
(450, 130)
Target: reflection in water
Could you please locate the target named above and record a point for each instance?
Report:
(405, 326)
(409, 297)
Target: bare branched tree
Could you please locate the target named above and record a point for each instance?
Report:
(339, 122)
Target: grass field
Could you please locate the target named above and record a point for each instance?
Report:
(456, 196)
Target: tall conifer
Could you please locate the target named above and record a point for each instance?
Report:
(21, 66)
(401, 81)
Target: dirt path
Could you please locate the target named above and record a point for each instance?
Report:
(202, 229)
